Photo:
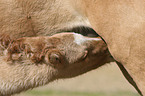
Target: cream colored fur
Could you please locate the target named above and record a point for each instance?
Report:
(121, 23)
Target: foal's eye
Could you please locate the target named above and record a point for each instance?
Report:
(54, 58)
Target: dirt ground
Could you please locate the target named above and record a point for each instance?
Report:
(107, 79)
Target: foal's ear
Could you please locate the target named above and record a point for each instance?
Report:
(15, 47)
(4, 41)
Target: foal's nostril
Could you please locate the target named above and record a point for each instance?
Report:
(85, 54)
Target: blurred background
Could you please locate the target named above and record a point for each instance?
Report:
(104, 81)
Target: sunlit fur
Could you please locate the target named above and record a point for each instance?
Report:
(119, 22)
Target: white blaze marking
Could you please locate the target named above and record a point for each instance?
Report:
(79, 39)
(95, 39)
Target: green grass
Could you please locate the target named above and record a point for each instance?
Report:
(68, 93)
